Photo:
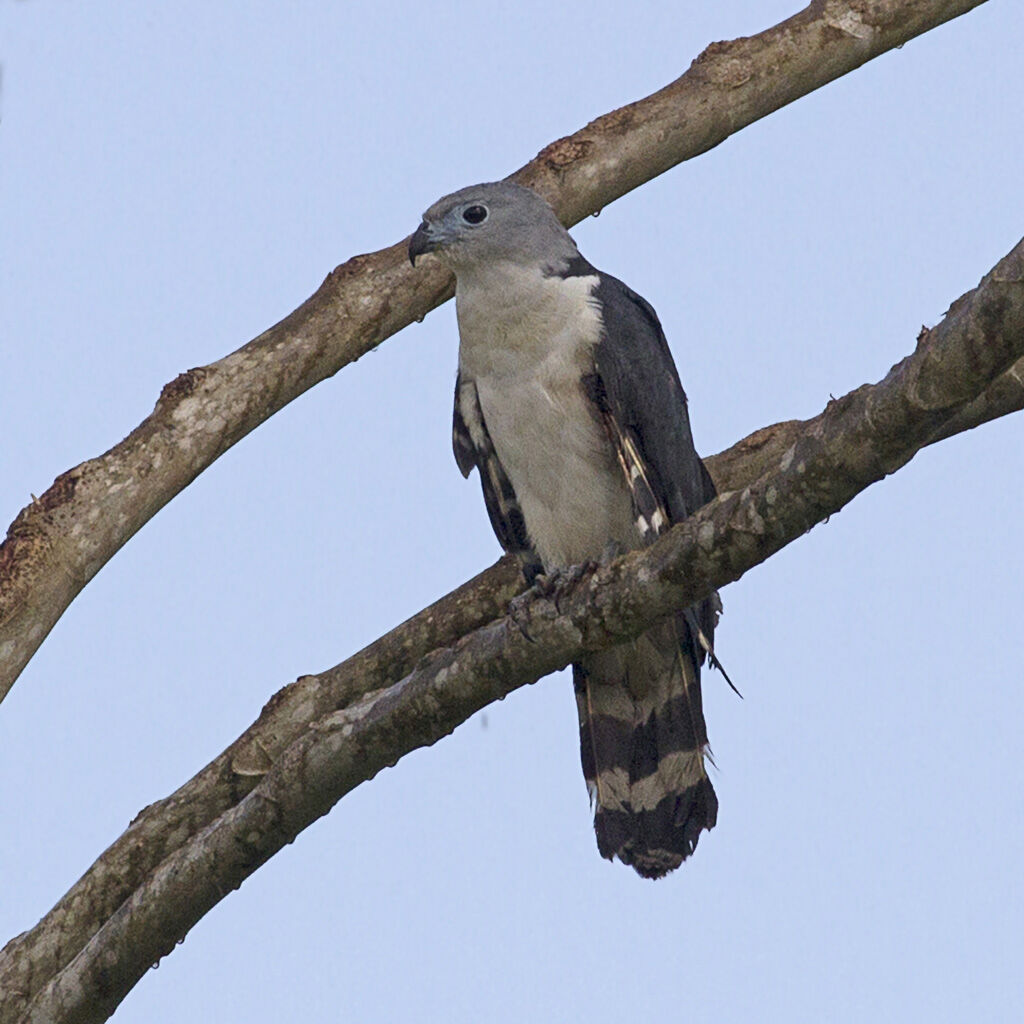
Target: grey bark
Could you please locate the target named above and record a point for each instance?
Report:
(326, 734)
(60, 541)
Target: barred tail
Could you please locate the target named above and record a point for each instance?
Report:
(642, 742)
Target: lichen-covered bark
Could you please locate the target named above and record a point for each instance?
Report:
(160, 829)
(59, 542)
(164, 826)
(326, 734)
(748, 459)
(728, 86)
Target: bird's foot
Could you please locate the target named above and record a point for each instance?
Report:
(552, 584)
(561, 582)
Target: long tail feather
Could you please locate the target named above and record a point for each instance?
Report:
(642, 743)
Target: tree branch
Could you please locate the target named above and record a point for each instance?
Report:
(326, 734)
(60, 541)
(164, 826)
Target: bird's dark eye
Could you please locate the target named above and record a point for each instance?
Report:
(474, 214)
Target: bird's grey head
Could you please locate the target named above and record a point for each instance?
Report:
(493, 223)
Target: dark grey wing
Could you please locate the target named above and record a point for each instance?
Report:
(639, 396)
(646, 399)
(473, 447)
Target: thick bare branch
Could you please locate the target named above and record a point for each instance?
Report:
(746, 460)
(157, 831)
(856, 441)
(59, 542)
(164, 826)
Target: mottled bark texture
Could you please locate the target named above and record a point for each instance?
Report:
(325, 734)
(60, 541)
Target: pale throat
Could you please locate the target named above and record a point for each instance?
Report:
(514, 319)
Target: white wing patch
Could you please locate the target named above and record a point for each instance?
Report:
(651, 517)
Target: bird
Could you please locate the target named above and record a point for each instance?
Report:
(569, 405)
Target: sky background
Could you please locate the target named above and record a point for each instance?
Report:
(174, 178)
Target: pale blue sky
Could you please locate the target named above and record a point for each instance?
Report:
(176, 177)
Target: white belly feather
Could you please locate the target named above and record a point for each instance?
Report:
(526, 345)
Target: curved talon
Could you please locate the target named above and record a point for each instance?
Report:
(517, 613)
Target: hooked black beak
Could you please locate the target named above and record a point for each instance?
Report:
(422, 241)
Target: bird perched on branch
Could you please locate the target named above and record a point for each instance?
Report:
(569, 405)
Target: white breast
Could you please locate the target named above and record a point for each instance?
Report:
(526, 341)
